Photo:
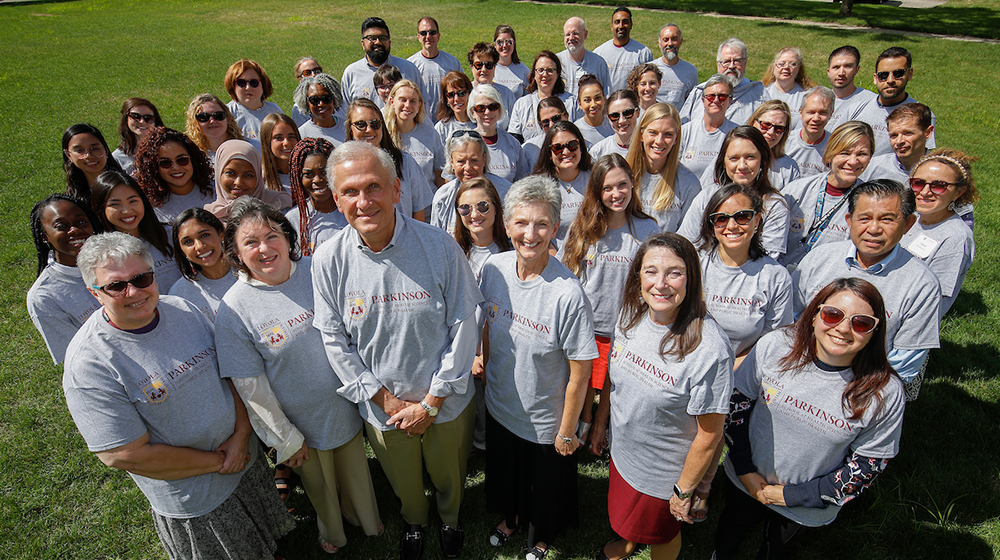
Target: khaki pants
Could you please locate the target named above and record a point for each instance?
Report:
(443, 449)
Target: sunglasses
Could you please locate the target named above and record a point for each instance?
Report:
(181, 161)
(459, 93)
(247, 83)
(488, 65)
(326, 98)
(711, 97)
(431, 32)
(572, 145)
(216, 115)
(937, 187)
(898, 73)
(483, 206)
(481, 109)
(627, 113)
(861, 324)
(721, 219)
(505, 43)
(546, 123)
(778, 128)
(312, 71)
(118, 287)
(139, 117)
(361, 126)
(461, 133)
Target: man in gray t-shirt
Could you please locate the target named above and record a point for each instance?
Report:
(357, 79)
(395, 301)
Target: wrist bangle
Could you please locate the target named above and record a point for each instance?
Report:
(564, 438)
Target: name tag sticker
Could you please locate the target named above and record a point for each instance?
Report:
(923, 246)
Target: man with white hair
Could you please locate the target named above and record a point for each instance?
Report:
(395, 302)
(679, 76)
(806, 144)
(732, 61)
(622, 52)
(433, 64)
(576, 60)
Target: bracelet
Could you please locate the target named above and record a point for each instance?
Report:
(564, 438)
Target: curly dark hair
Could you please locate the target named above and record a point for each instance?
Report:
(42, 246)
(305, 148)
(147, 164)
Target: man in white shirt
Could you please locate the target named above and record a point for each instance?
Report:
(622, 52)
(432, 63)
(805, 145)
(376, 43)
(576, 60)
(731, 59)
(842, 68)
(679, 76)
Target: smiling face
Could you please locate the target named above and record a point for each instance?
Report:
(213, 130)
(657, 140)
(623, 126)
(648, 87)
(839, 344)
(732, 236)
(249, 96)
(907, 139)
(428, 35)
(200, 243)
(847, 166)
(468, 162)
(591, 100)
(504, 45)
(263, 248)
(934, 207)
(477, 222)
(877, 225)
(406, 103)
(531, 227)
(283, 141)
(742, 161)
(486, 121)
(616, 191)
(774, 119)
(321, 111)
(574, 35)
(545, 76)
(371, 136)
(135, 307)
(892, 90)
(314, 180)
(238, 178)
(815, 114)
(566, 159)
(141, 128)
(663, 280)
(670, 42)
(732, 62)
(66, 227)
(367, 196)
(87, 154)
(376, 44)
(123, 209)
(178, 178)
(459, 103)
(621, 27)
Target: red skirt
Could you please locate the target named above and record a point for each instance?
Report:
(638, 517)
(599, 372)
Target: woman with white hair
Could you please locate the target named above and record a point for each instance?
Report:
(142, 384)
(320, 97)
(486, 109)
(538, 344)
(468, 158)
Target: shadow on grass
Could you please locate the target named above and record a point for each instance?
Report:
(962, 362)
(23, 2)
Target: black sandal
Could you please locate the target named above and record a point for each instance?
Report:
(498, 537)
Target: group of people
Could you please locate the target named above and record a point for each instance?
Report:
(596, 251)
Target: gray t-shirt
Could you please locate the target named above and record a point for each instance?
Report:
(804, 197)
(524, 115)
(874, 113)
(799, 429)
(843, 107)
(700, 148)
(572, 70)
(357, 79)
(594, 134)
(165, 382)
(607, 146)
(443, 207)
(175, 204)
(478, 256)
(395, 309)
(621, 60)
(532, 148)
(948, 248)
(686, 189)
(911, 292)
(534, 328)
(126, 161)
(250, 120)
(204, 293)
(677, 83)
(514, 77)
(446, 128)
(793, 99)
(417, 191)
(747, 301)
(572, 200)
(783, 171)
(268, 330)
(322, 225)
(424, 144)
(433, 70)
(809, 157)
(164, 267)
(746, 98)
(605, 268)
(58, 304)
(507, 158)
(774, 232)
(885, 166)
(655, 401)
(335, 134)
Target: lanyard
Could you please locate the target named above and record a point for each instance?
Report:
(821, 221)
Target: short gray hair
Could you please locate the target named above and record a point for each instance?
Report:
(533, 188)
(356, 149)
(732, 43)
(488, 92)
(456, 141)
(300, 96)
(109, 248)
(721, 79)
(824, 92)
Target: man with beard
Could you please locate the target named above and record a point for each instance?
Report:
(893, 70)
(433, 64)
(732, 61)
(357, 80)
(806, 144)
(909, 129)
(622, 52)
(842, 67)
(576, 60)
(679, 76)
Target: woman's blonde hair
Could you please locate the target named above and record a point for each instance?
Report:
(193, 131)
(391, 124)
(663, 194)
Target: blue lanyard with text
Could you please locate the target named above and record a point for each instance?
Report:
(822, 221)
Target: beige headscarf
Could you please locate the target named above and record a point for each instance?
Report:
(241, 149)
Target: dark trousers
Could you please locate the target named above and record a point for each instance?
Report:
(741, 514)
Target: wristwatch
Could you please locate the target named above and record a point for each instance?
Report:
(432, 411)
(682, 495)
(566, 439)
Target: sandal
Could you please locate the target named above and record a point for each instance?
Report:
(535, 553)
(601, 555)
(699, 507)
(498, 537)
(283, 481)
(327, 547)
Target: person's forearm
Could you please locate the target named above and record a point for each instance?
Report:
(164, 462)
(702, 451)
(576, 391)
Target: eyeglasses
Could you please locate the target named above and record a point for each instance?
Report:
(546, 123)
(461, 133)
(312, 71)
(376, 38)
(627, 113)
(786, 64)
(861, 324)
(504, 43)
(215, 115)
(139, 117)
(572, 145)
(722, 97)
(361, 126)
(937, 187)
(731, 62)
(478, 65)
(765, 126)
(898, 73)
(96, 151)
(247, 83)
(481, 109)
(118, 287)
(181, 161)
(459, 93)
(545, 71)
(385, 88)
(483, 206)
(425, 33)
(721, 219)
(326, 98)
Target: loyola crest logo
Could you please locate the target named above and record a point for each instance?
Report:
(155, 391)
(615, 351)
(492, 309)
(589, 260)
(357, 307)
(275, 336)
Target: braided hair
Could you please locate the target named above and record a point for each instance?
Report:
(305, 148)
(42, 246)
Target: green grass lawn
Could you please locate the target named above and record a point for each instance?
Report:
(68, 62)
